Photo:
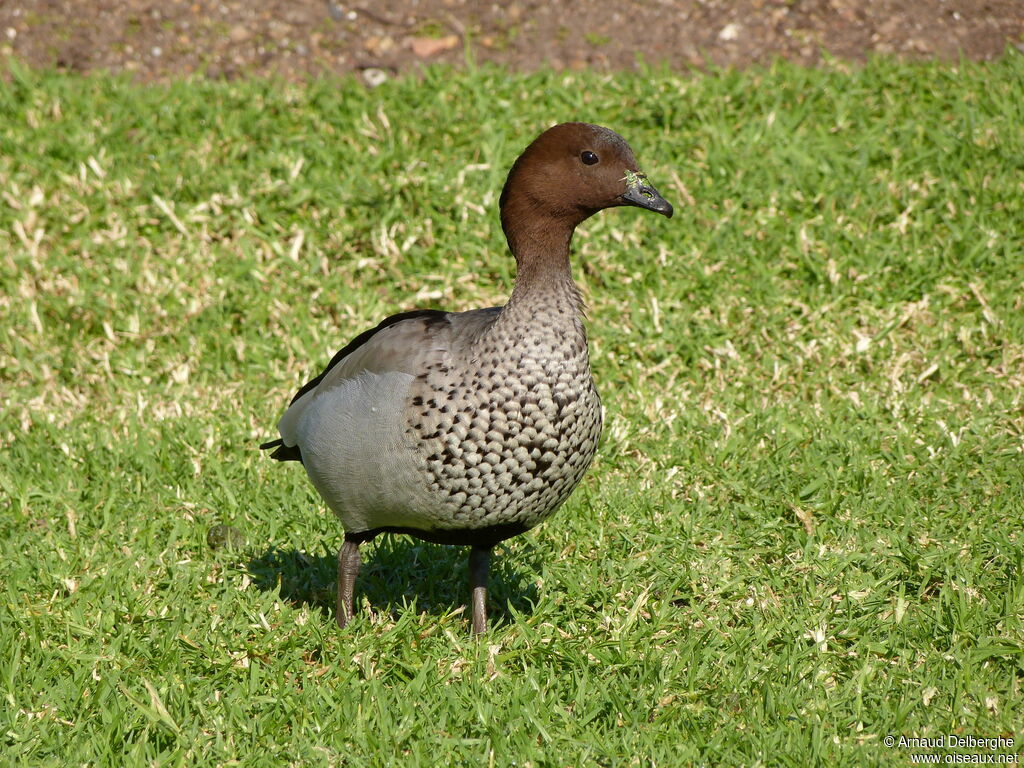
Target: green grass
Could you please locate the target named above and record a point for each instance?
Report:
(802, 532)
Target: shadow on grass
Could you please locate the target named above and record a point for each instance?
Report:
(397, 570)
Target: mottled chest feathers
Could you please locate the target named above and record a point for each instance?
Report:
(507, 442)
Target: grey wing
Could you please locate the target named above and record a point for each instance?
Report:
(403, 343)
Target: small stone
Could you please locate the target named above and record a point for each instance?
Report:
(729, 32)
(157, 51)
(378, 45)
(335, 11)
(374, 77)
(425, 47)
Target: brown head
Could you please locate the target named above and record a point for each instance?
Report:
(568, 173)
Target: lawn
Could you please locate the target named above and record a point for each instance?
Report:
(803, 530)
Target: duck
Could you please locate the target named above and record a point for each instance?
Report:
(468, 428)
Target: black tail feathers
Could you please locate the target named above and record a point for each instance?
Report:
(283, 452)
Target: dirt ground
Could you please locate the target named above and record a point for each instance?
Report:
(162, 39)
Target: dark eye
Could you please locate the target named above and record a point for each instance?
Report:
(588, 157)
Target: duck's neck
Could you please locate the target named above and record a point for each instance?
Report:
(545, 299)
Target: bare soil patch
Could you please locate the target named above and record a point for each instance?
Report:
(162, 39)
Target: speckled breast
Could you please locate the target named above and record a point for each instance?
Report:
(507, 444)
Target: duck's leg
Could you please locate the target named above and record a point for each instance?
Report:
(349, 561)
(479, 567)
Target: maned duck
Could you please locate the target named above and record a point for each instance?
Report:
(471, 427)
